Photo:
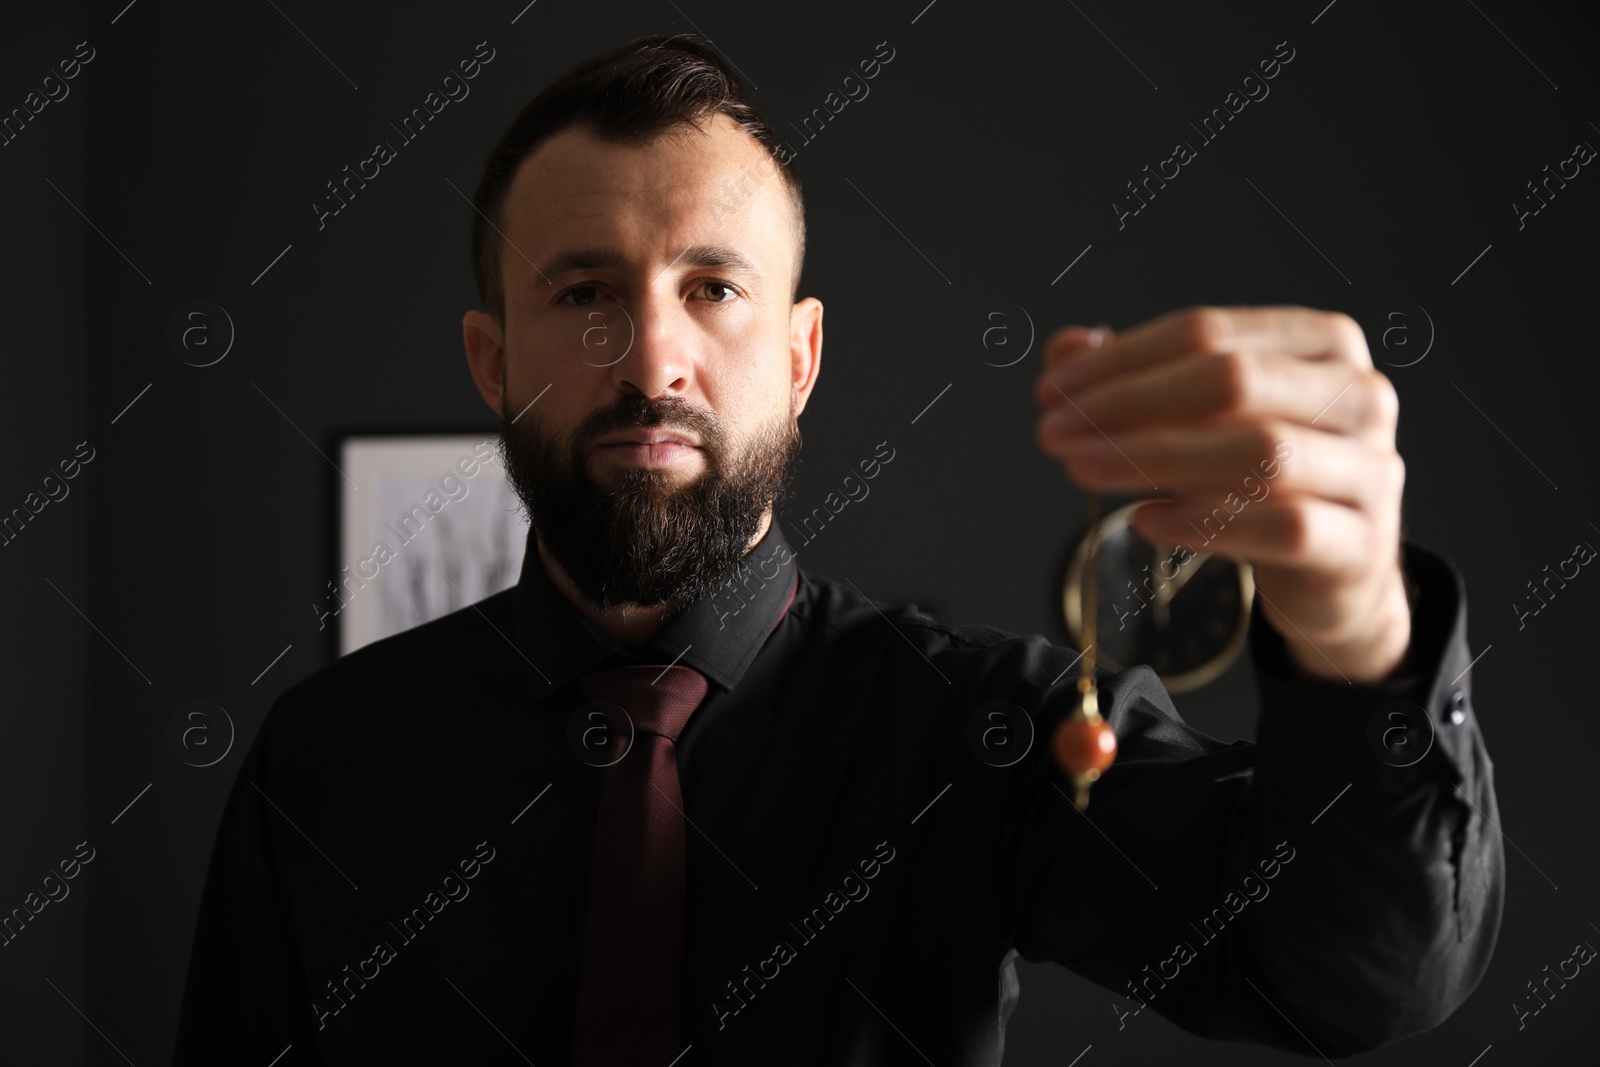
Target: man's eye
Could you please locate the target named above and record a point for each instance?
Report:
(719, 292)
(582, 295)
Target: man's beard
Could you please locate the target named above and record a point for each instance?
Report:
(647, 540)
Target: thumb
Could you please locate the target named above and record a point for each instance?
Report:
(1070, 339)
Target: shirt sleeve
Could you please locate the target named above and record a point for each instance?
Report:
(246, 996)
(1330, 887)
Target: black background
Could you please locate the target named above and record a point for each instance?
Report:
(190, 549)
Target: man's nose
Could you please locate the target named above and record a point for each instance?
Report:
(659, 360)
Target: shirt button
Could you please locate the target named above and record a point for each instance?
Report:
(1458, 708)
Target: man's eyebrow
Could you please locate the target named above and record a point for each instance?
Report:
(599, 257)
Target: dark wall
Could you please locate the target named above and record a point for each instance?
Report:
(46, 653)
(984, 162)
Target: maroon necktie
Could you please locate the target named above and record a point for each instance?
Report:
(628, 989)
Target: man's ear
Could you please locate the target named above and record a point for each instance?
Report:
(805, 348)
(486, 356)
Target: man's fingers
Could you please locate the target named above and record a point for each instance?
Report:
(1337, 538)
(1302, 332)
(1330, 396)
(1226, 465)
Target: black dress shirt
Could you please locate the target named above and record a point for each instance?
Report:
(401, 871)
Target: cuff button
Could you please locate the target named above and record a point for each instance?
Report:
(1458, 708)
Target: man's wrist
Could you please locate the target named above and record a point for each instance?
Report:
(1382, 652)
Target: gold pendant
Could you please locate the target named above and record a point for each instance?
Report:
(1084, 744)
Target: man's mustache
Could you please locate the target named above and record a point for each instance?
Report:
(633, 416)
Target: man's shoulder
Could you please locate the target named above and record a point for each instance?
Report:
(859, 619)
(415, 663)
(982, 663)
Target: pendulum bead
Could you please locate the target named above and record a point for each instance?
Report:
(1084, 745)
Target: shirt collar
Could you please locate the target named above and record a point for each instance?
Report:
(718, 635)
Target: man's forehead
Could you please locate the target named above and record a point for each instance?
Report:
(576, 175)
(709, 186)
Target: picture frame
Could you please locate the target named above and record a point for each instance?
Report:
(427, 524)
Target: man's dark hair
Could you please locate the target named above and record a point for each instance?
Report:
(632, 94)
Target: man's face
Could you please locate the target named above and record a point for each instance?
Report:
(647, 295)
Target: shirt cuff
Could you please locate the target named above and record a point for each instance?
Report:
(1389, 734)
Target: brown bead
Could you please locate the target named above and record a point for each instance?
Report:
(1082, 745)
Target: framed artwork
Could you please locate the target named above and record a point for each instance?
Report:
(428, 524)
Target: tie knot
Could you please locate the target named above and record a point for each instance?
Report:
(658, 699)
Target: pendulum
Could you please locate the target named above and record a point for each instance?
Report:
(1084, 744)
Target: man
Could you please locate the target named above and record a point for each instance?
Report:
(483, 840)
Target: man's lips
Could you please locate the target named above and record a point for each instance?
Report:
(648, 437)
(647, 447)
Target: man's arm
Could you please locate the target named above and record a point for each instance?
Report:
(246, 996)
(1304, 891)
